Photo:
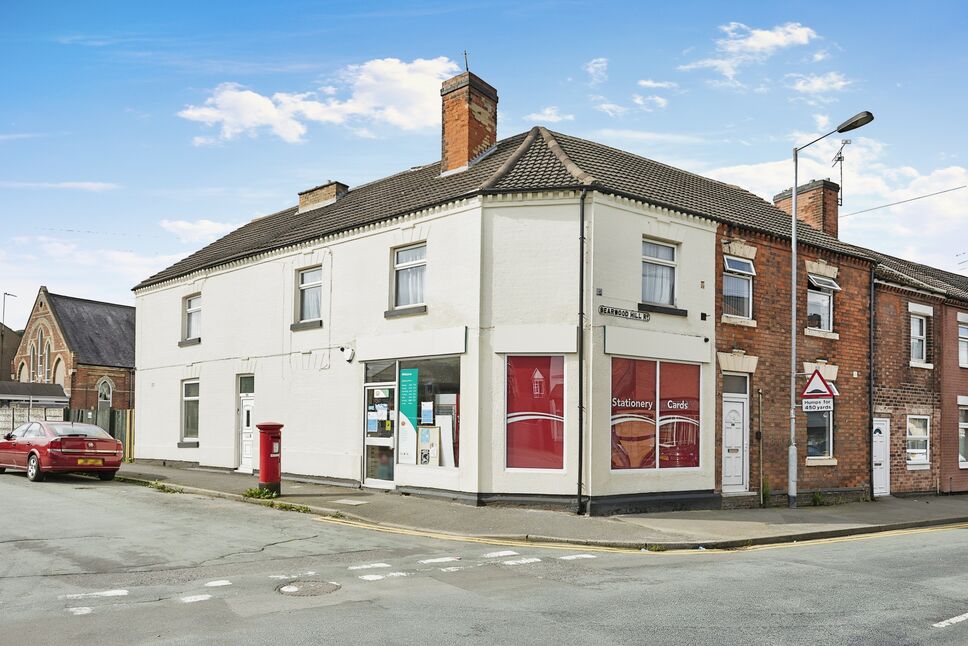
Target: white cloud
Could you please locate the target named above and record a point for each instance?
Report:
(820, 55)
(387, 92)
(744, 45)
(819, 84)
(658, 85)
(549, 114)
(597, 70)
(16, 136)
(650, 103)
(196, 231)
(92, 187)
(611, 109)
(822, 121)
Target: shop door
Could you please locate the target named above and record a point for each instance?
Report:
(881, 457)
(735, 445)
(246, 433)
(379, 435)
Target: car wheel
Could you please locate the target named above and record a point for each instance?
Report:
(34, 474)
(3, 469)
(106, 475)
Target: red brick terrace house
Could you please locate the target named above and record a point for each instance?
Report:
(83, 345)
(917, 345)
(753, 351)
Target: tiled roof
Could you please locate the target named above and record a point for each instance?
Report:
(99, 334)
(913, 274)
(538, 159)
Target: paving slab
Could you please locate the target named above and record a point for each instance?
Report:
(669, 530)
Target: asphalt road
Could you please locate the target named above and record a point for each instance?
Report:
(110, 563)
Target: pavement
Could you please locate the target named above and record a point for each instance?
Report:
(723, 529)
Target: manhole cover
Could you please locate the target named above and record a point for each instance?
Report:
(307, 588)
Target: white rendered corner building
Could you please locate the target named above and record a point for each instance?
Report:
(527, 320)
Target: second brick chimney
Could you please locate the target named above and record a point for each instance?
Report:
(816, 204)
(321, 195)
(468, 120)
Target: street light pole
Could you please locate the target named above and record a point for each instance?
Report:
(856, 121)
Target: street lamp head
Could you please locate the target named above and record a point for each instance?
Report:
(856, 121)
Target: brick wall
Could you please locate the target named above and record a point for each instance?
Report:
(770, 342)
(41, 318)
(468, 120)
(85, 383)
(817, 204)
(954, 383)
(901, 390)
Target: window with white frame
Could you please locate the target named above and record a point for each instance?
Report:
(820, 435)
(919, 339)
(963, 437)
(658, 273)
(820, 302)
(193, 317)
(963, 346)
(409, 275)
(310, 294)
(918, 434)
(738, 287)
(189, 405)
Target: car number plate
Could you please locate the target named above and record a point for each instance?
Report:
(90, 461)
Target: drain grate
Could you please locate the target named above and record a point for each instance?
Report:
(307, 588)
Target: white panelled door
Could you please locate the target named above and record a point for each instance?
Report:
(246, 433)
(881, 457)
(735, 445)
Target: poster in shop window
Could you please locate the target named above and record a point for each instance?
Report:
(535, 412)
(640, 390)
(407, 442)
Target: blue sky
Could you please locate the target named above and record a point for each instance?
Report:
(133, 133)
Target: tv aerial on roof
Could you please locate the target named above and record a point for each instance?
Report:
(839, 159)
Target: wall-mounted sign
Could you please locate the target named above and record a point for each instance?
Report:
(632, 315)
(818, 405)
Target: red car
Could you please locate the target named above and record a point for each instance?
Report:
(60, 447)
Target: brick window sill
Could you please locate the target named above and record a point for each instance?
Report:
(184, 343)
(921, 364)
(821, 462)
(305, 325)
(737, 320)
(662, 309)
(188, 444)
(918, 466)
(823, 334)
(405, 311)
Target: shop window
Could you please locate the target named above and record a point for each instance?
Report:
(919, 339)
(310, 294)
(535, 412)
(963, 438)
(820, 302)
(738, 287)
(963, 346)
(640, 388)
(658, 273)
(820, 434)
(918, 435)
(409, 275)
(429, 392)
(189, 404)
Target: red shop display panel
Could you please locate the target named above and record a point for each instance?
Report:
(535, 412)
(633, 414)
(678, 415)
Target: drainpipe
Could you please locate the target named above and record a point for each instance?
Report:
(759, 438)
(581, 345)
(870, 392)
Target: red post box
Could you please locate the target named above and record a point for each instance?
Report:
(270, 456)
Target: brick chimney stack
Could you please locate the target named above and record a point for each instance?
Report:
(816, 204)
(469, 120)
(321, 195)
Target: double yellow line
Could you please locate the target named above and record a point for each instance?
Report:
(572, 547)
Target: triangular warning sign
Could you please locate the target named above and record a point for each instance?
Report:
(817, 387)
